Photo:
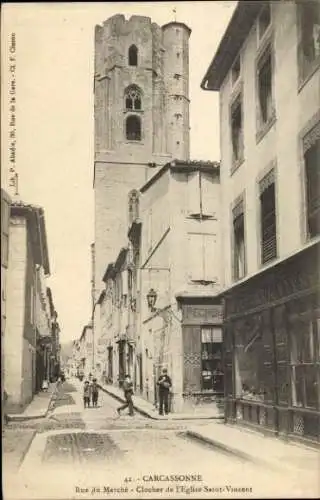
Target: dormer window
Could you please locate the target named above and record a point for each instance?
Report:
(133, 56)
(133, 98)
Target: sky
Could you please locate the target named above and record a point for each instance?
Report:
(54, 122)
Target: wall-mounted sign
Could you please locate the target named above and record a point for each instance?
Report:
(201, 314)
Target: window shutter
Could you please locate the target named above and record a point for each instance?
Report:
(195, 257)
(268, 218)
(207, 194)
(193, 193)
(210, 257)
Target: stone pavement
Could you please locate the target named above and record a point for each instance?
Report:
(146, 408)
(263, 450)
(15, 445)
(250, 446)
(39, 406)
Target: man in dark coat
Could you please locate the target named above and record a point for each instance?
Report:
(128, 393)
(164, 383)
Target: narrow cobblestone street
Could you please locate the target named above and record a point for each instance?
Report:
(77, 450)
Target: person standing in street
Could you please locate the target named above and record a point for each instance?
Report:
(94, 392)
(164, 383)
(86, 394)
(128, 393)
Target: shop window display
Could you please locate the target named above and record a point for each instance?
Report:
(305, 363)
(247, 358)
(211, 359)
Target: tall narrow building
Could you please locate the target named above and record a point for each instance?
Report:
(141, 109)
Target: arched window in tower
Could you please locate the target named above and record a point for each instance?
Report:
(133, 56)
(133, 205)
(133, 128)
(133, 100)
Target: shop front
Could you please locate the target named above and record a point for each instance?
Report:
(272, 348)
(203, 379)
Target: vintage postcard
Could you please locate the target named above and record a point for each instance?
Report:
(160, 232)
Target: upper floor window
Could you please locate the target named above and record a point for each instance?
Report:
(239, 251)
(264, 20)
(268, 218)
(235, 71)
(133, 99)
(265, 97)
(133, 206)
(133, 128)
(237, 130)
(133, 56)
(312, 176)
(309, 36)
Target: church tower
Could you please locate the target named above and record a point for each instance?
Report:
(141, 112)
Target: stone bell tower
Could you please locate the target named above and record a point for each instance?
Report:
(141, 112)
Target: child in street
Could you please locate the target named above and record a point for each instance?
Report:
(94, 392)
(86, 394)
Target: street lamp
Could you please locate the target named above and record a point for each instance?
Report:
(152, 299)
(165, 313)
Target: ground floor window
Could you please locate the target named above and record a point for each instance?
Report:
(211, 359)
(305, 372)
(248, 358)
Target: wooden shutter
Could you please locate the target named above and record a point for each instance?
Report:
(193, 187)
(268, 219)
(195, 257)
(210, 261)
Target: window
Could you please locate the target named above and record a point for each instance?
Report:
(133, 99)
(265, 92)
(133, 56)
(31, 304)
(264, 20)
(304, 358)
(202, 257)
(309, 36)
(239, 260)
(133, 128)
(235, 72)
(133, 206)
(237, 130)
(312, 175)
(268, 219)
(211, 359)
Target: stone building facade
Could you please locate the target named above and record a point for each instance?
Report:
(86, 351)
(5, 228)
(141, 109)
(27, 324)
(266, 70)
(178, 208)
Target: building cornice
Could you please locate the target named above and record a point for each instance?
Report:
(212, 167)
(277, 264)
(35, 215)
(109, 273)
(101, 297)
(240, 24)
(120, 259)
